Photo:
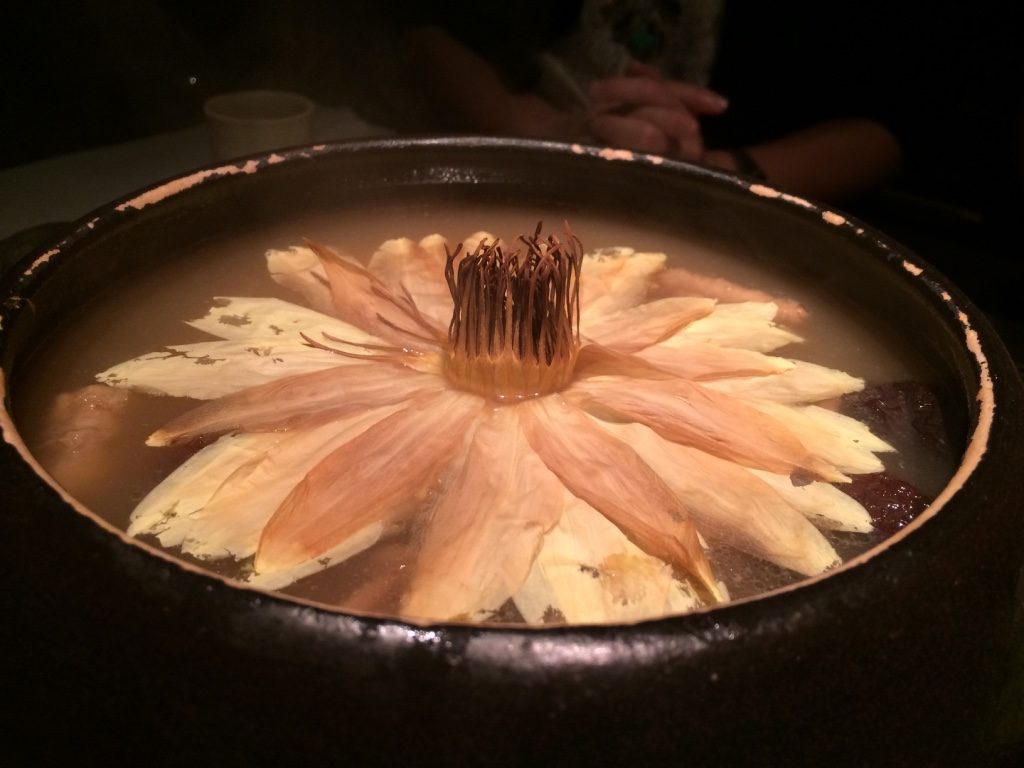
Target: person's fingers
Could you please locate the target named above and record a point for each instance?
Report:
(650, 129)
(634, 91)
(691, 149)
(637, 90)
(677, 124)
(629, 133)
(700, 101)
(647, 91)
(640, 69)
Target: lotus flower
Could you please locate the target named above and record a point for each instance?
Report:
(530, 426)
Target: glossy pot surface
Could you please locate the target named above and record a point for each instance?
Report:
(913, 655)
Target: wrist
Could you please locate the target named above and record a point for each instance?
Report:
(720, 159)
(746, 165)
(530, 116)
(737, 160)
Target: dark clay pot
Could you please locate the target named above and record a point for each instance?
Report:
(913, 655)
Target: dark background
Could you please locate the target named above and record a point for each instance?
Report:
(946, 78)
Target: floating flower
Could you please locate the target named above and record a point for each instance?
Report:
(544, 427)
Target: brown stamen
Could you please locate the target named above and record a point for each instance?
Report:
(515, 322)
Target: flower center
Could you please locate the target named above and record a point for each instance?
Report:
(515, 323)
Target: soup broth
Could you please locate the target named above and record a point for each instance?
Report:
(147, 312)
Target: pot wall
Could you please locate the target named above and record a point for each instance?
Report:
(912, 658)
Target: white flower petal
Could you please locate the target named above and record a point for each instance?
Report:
(840, 440)
(216, 504)
(690, 414)
(822, 503)
(747, 325)
(377, 476)
(245, 318)
(212, 369)
(360, 298)
(802, 383)
(301, 400)
(678, 281)
(484, 533)
(261, 343)
(358, 542)
(636, 327)
(590, 573)
(610, 476)
(299, 269)
(612, 279)
(732, 505)
(418, 268)
(691, 359)
(166, 510)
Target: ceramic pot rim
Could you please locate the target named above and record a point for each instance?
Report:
(978, 339)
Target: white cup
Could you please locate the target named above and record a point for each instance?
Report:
(247, 122)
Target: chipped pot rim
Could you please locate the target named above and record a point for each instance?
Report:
(976, 335)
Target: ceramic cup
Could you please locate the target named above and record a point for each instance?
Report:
(246, 122)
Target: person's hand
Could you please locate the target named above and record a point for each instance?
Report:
(644, 111)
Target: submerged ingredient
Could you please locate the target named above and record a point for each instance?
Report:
(525, 425)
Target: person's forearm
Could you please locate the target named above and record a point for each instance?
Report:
(831, 161)
(474, 94)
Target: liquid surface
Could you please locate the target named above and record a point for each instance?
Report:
(149, 312)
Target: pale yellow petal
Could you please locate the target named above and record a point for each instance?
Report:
(245, 318)
(731, 505)
(262, 341)
(234, 517)
(352, 545)
(299, 269)
(840, 440)
(747, 325)
(701, 360)
(352, 295)
(678, 281)
(481, 538)
(361, 299)
(613, 479)
(636, 327)
(803, 383)
(212, 369)
(612, 279)
(166, 510)
(690, 414)
(823, 504)
(472, 240)
(307, 398)
(405, 264)
(588, 572)
(698, 362)
(384, 473)
(216, 504)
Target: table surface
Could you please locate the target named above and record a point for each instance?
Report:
(67, 187)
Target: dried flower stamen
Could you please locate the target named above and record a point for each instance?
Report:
(515, 320)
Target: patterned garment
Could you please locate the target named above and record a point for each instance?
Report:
(679, 37)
